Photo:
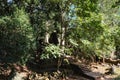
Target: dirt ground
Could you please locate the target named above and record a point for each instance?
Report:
(101, 68)
(92, 67)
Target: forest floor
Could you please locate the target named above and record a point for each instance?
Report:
(5, 71)
(102, 68)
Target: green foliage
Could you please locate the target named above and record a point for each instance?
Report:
(16, 35)
(106, 42)
(73, 42)
(95, 32)
(51, 51)
(24, 58)
(98, 40)
(91, 26)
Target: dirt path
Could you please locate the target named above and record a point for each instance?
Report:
(101, 68)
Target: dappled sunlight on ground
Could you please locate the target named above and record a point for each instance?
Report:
(101, 68)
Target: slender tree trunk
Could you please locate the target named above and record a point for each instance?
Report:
(64, 25)
(47, 33)
(62, 39)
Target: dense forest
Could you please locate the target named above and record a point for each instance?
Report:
(37, 31)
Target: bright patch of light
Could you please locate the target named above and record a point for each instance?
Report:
(9, 1)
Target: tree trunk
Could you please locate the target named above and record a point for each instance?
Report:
(47, 24)
(63, 30)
